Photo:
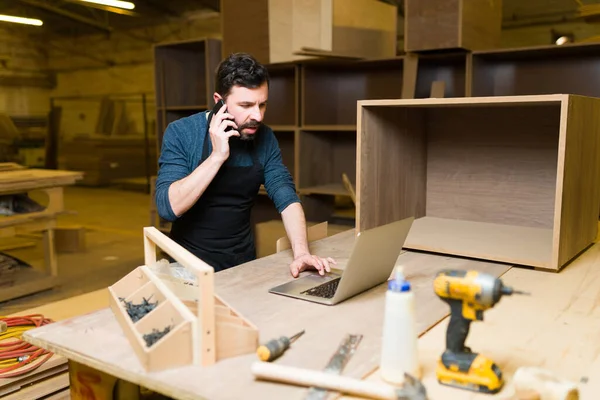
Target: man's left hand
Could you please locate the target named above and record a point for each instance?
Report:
(308, 261)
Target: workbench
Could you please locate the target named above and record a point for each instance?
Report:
(49, 185)
(519, 331)
(96, 339)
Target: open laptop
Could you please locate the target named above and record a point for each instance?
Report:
(371, 263)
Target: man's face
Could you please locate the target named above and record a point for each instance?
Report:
(248, 107)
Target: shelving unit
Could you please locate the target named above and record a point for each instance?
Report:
(497, 178)
(184, 79)
(330, 90)
(572, 69)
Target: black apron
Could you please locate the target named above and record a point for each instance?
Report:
(217, 228)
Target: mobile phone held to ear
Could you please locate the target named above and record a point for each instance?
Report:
(216, 109)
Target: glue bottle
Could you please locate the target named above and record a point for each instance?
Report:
(399, 352)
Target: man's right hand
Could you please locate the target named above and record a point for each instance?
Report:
(218, 137)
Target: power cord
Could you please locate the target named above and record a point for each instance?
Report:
(15, 353)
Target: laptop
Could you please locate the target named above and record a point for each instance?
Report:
(372, 261)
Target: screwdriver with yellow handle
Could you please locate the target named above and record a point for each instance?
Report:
(276, 347)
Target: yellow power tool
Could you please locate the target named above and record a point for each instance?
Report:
(468, 293)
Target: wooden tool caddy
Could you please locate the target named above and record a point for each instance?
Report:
(203, 329)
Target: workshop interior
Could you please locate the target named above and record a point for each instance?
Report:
(299, 199)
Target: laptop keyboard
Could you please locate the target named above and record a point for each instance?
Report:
(325, 290)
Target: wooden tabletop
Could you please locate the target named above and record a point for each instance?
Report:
(555, 328)
(34, 178)
(96, 339)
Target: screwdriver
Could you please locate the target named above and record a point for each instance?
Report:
(276, 347)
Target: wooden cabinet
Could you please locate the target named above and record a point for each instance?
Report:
(512, 179)
(452, 24)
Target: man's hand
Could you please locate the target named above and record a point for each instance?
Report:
(218, 137)
(308, 261)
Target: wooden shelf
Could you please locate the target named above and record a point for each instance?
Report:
(283, 128)
(184, 79)
(282, 108)
(330, 90)
(572, 69)
(332, 189)
(325, 156)
(330, 128)
(497, 242)
(28, 281)
(512, 163)
(185, 108)
(450, 68)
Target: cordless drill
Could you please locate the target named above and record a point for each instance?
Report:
(468, 293)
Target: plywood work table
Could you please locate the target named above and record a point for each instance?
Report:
(96, 339)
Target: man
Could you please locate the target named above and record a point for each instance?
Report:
(211, 168)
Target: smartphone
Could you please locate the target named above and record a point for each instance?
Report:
(216, 109)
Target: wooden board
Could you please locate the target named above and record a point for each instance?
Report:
(97, 341)
(451, 24)
(33, 178)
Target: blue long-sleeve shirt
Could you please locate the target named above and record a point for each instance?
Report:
(182, 151)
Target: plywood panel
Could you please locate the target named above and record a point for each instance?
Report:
(325, 156)
(452, 24)
(573, 69)
(331, 90)
(579, 193)
(493, 165)
(431, 24)
(312, 25)
(392, 162)
(245, 28)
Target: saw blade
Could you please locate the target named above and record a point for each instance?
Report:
(336, 364)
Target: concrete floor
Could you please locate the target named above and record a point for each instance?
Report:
(113, 220)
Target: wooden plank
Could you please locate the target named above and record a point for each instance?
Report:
(33, 178)
(54, 366)
(271, 313)
(497, 242)
(10, 166)
(48, 386)
(577, 189)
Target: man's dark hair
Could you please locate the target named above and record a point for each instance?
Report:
(240, 69)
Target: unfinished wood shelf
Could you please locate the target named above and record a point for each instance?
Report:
(534, 70)
(326, 156)
(331, 89)
(513, 179)
(202, 328)
(184, 79)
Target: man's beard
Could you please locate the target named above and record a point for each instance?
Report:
(247, 136)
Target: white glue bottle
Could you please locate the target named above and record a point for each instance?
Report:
(399, 351)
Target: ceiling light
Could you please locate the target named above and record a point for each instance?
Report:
(113, 3)
(20, 20)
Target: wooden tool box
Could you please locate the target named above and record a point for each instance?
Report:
(202, 328)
